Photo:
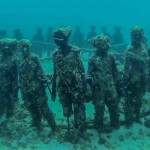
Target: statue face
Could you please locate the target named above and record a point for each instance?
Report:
(24, 51)
(6, 50)
(137, 35)
(60, 42)
(136, 40)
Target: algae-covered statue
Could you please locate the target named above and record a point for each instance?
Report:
(69, 78)
(104, 74)
(117, 37)
(135, 76)
(78, 37)
(38, 38)
(8, 76)
(33, 87)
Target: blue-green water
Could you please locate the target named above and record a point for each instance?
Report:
(30, 14)
(27, 15)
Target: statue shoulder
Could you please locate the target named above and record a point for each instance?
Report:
(75, 49)
(111, 55)
(130, 48)
(55, 53)
(34, 58)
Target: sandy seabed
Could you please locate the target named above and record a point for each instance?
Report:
(16, 134)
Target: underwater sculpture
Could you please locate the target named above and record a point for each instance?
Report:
(33, 84)
(135, 76)
(105, 32)
(104, 73)
(69, 79)
(8, 76)
(117, 37)
(78, 37)
(38, 37)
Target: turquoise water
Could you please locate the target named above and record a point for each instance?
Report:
(30, 14)
(27, 15)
